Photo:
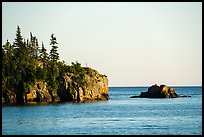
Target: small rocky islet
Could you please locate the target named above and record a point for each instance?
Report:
(156, 91)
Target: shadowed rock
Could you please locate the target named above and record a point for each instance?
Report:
(161, 91)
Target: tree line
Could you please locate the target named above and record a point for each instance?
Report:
(26, 61)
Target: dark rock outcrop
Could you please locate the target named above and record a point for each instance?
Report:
(156, 91)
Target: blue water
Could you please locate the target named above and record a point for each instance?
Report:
(121, 115)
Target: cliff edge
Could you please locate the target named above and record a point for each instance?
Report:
(91, 86)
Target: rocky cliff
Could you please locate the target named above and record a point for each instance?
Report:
(94, 87)
(38, 92)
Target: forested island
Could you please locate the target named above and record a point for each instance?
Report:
(31, 74)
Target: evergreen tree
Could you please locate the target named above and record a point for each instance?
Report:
(36, 48)
(7, 58)
(53, 69)
(54, 55)
(43, 54)
(32, 46)
(19, 39)
(21, 58)
(18, 53)
(8, 66)
(41, 71)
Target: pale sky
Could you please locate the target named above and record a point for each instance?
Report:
(134, 44)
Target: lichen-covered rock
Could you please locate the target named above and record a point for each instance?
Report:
(38, 92)
(95, 87)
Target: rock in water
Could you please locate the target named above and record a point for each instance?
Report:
(153, 92)
(161, 91)
(154, 89)
(172, 93)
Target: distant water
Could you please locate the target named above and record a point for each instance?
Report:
(121, 115)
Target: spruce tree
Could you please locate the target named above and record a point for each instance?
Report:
(43, 54)
(18, 53)
(19, 39)
(8, 66)
(21, 58)
(54, 55)
(43, 57)
(7, 58)
(53, 69)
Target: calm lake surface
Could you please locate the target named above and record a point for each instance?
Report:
(121, 115)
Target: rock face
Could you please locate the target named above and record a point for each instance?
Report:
(95, 88)
(156, 91)
(38, 92)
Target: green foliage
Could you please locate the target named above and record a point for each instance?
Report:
(53, 69)
(33, 46)
(53, 73)
(40, 73)
(23, 63)
(19, 39)
(44, 55)
(8, 66)
(31, 74)
(76, 69)
(71, 90)
(18, 66)
(78, 73)
(63, 67)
